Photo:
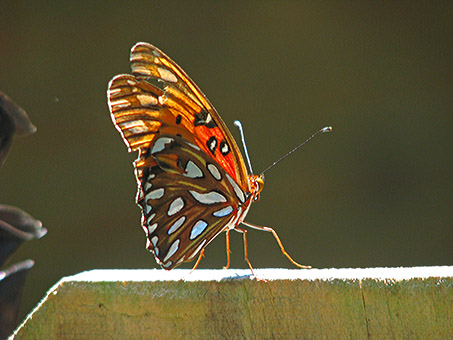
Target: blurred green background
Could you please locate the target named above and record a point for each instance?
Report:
(376, 192)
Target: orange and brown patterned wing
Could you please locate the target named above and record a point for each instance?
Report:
(142, 111)
(186, 198)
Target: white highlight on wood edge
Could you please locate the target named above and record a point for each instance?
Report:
(327, 274)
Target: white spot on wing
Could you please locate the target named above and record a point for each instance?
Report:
(148, 185)
(211, 197)
(172, 250)
(175, 206)
(175, 226)
(134, 126)
(223, 212)
(168, 264)
(193, 146)
(114, 90)
(238, 191)
(152, 227)
(146, 100)
(151, 217)
(155, 194)
(214, 171)
(197, 229)
(159, 145)
(225, 149)
(192, 170)
(154, 241)
(167, 75)
(120, 103)
(141, 69)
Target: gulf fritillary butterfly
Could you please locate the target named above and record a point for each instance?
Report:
(191, 176)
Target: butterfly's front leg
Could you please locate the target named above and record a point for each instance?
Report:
(268, 229)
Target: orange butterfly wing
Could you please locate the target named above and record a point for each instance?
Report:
(142, 111)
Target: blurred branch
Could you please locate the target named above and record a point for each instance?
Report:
(16, 226)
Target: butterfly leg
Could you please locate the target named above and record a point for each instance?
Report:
(228, 251)
(246, 254)
(198, 261)
(268, 229)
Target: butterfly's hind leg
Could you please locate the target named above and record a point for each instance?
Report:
(246, 254)
(228, 251)
(198, 260)
(268, 229)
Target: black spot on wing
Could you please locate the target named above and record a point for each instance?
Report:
(212, 144)
(204, 118)
(224, 148)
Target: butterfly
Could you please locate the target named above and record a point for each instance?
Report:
(192, 179)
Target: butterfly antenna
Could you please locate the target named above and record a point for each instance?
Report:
(241, 131)
(325, 129)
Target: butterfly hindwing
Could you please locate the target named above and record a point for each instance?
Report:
(186, 200)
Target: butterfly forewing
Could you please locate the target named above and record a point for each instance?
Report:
(147, 62)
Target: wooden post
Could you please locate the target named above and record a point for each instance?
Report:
(377, 303)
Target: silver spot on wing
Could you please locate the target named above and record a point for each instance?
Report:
(192, 170)
(168, 264)
(151, 217)
(214, 171)
(175, 226)
(160, 144)
(148, 186)
(238, 191)
(211, 197)
(152, 228)
(175, 206)
(223, 212)
(167, 75)
(155, 194)
(172, 250)
(198, 229)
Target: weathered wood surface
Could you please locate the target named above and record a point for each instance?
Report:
(377, 303)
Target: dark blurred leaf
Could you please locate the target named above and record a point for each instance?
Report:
(13, 120)
(16, 226)
(12, 282)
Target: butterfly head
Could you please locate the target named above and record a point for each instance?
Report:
(256, 185)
